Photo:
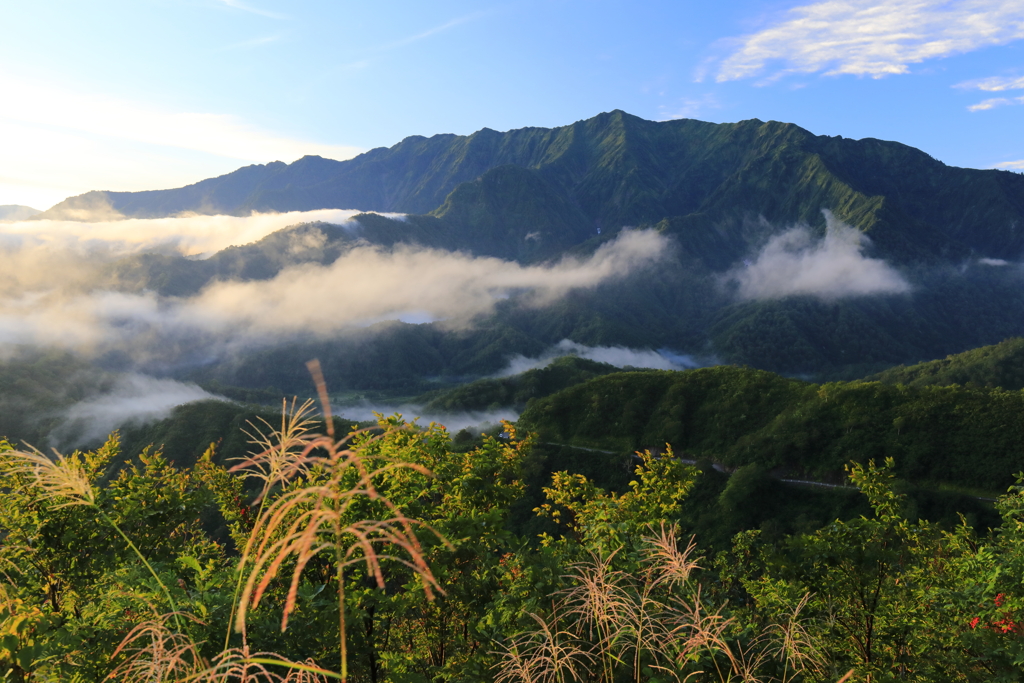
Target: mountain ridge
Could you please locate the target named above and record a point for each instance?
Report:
(618, 169)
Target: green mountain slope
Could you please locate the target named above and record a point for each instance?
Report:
(999, 365)
(740, 416)
(618, 169)
(515, 391)
(719, 191)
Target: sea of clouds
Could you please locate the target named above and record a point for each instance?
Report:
(53, 293)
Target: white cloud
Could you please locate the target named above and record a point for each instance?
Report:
(619, 356)
(794, 263)
(64, 142)
(993, 262)
(872, 38)
(995, 102)
(1011, 165)
(993, 84)
(190, 235)
(369, 284)
(475, 421)
(364, 285)
(134, 399)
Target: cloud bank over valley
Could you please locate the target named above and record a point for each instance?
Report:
(365, 285)
(58, 293)
(190, 235)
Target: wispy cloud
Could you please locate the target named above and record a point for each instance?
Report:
(134, 399)
(1011, 165)
(402, 42)
(619, 356)
(995, 102)
(245, 7)
(689, 107)
(189, 235)
(993, 84)
(795, 264)
(871, 38)
(369, 52)
(474, 421)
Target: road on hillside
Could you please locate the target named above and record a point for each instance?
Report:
(724, 470)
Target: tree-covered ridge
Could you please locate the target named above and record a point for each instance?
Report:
(739, 416)
(615, 169)
(516, 391)
(720, 192)
(999, 365)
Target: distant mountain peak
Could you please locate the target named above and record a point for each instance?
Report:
(618, 169)
(17, 212)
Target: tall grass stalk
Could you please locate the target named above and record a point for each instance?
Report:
(156, 654)
(278, 458)
(650, 623)
(324, 515)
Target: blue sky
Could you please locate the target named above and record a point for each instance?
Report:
(147, 94)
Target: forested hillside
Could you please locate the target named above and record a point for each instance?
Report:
(616, 169)
(958, 436)
(1000, 365)
(795, 253)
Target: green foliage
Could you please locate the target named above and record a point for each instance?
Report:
(1001, 365)
(603, 521)
(392, 555)
(71, 560)
(882, 592)
(739, 416)
(516, 391)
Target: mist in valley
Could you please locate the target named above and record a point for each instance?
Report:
(322, 289)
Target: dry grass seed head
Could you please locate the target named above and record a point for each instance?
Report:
(239, 665)
(597, 595)
(307, 521)
(156, 654)
(794, 643)
(695, 630)
(673, 565)
(545, 655)
(281, 454)
(64, 477)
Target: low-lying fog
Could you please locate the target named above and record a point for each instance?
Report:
(55, 294)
